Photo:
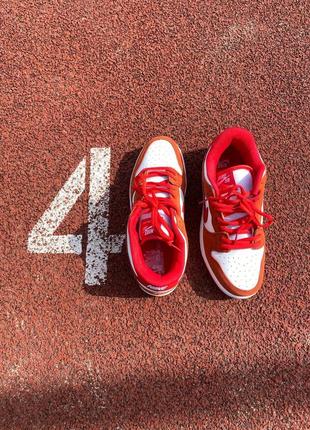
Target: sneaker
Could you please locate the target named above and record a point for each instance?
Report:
(232, 238)
(156, 236)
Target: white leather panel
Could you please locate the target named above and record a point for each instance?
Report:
(241, 266)
(160, 154)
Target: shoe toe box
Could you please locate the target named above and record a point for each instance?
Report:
(160, 153)
(241, 268)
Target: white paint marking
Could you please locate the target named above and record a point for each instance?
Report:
(42, 239)
(99, 243)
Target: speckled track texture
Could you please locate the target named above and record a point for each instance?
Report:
(81, 74)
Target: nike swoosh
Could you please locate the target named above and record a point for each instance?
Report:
(208, 224)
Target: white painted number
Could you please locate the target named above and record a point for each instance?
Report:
(99, 243)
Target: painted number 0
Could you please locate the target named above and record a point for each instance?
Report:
(42, 239)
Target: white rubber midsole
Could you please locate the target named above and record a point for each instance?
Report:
(202, 249)
(154, 293)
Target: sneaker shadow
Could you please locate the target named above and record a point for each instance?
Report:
(120, 281)
(196, 272)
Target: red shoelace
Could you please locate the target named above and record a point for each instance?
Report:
(234, 199)
(148, 190)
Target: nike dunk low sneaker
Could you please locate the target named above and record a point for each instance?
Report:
(232, 237)
(156, 237)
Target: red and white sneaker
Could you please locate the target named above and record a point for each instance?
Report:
(232, 238)
(156, 236)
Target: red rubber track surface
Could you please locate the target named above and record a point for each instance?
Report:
(81, 74)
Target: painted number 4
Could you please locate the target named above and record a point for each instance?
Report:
(99, 243)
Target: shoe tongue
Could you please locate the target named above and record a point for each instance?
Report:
(236, 175)
(147, 230)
